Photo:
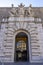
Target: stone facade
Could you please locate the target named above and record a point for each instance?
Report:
(21, 19)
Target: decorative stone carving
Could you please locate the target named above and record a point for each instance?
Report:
(30, 10)
(21, 5)
(21, 11)
(26, 13)
(17, 12)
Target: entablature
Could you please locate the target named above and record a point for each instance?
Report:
(25, 19)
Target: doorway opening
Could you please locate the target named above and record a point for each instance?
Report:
(21, 47)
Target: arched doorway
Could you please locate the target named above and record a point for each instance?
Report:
(21, 47)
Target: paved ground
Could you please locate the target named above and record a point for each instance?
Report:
(21, 63)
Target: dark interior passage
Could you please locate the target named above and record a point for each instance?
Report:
(21, 47)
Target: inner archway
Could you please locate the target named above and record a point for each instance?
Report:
(21, 47)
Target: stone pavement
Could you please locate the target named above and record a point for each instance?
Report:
(21, 63)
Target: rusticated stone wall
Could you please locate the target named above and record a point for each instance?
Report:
(8, 29)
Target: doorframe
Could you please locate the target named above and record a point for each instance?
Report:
(28, 34)
(27, 48)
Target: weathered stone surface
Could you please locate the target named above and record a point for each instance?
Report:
(19, 21)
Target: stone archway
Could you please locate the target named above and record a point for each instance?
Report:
(22, 34)
(21, 47)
